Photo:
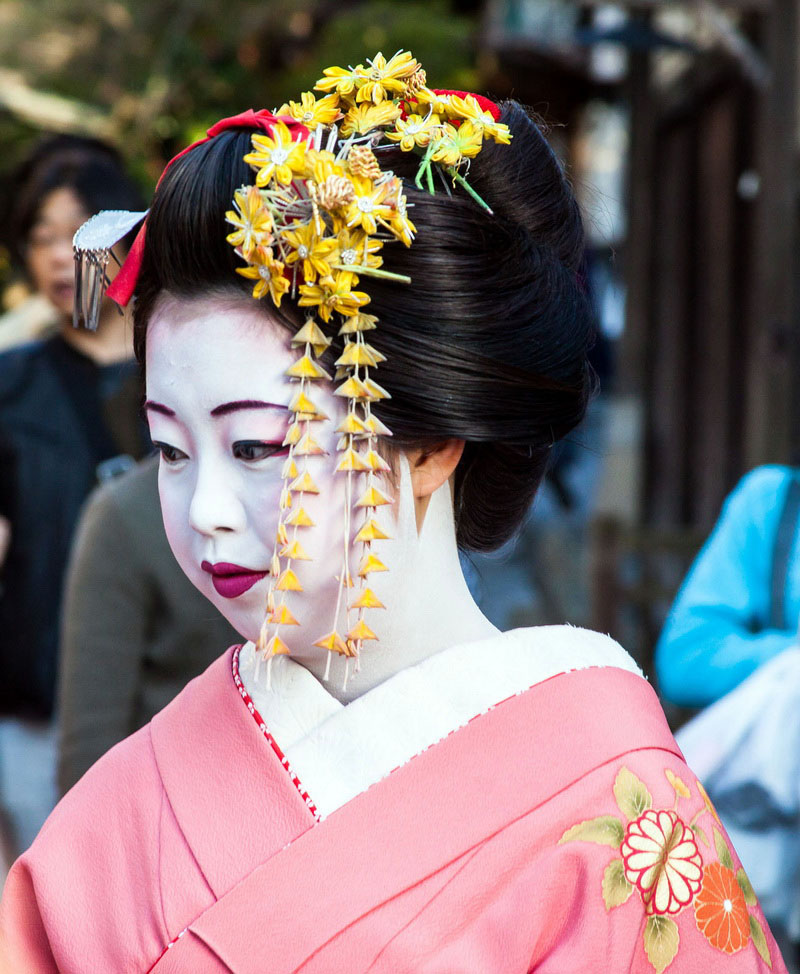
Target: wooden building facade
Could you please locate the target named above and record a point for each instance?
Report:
(711, 345)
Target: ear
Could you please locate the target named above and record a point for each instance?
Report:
(430, 468)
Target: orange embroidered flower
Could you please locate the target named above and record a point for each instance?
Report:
(720, 910)
(661, 859)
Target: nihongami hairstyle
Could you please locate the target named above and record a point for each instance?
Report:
(488, 343)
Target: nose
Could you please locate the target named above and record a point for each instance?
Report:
(61, 253)
(216, 506)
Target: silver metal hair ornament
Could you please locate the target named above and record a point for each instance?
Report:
(91, 246)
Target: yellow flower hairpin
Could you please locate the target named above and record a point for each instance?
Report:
(313, 225)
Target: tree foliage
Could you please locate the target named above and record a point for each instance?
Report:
(160, 71)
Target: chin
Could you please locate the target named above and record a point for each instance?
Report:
(245, 618)
(64, 308)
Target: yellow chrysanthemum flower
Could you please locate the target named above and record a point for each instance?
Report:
(399, 223)
(364, 118)
(354, 247)
(311, 111)
(252, 220)
(341, 80)
(369, 206)
(456, 144)
(414, 130)
(332, 294)
(320, 164)
(309, 248)
(278, 156)
(483, 121)
(385, 78)
(439, 104)
(267, 272)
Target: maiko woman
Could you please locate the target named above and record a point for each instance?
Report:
(377, 779)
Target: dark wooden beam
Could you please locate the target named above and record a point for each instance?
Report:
(773, 345)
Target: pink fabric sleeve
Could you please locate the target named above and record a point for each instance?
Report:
(551, 892)
(86, 896)
(24, 944)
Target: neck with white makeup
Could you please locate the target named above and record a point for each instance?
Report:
(429, 606)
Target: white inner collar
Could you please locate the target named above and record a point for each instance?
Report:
(338, 751)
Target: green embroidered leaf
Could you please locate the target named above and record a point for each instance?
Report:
(632, 796)
(744, 885)
(606, 830)
(760, 941)
(616, 888)
(700, 834)
(661, 941)
(723, 851)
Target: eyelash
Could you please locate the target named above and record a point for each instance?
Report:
(171, 454)
(165, 450)
(270, 450)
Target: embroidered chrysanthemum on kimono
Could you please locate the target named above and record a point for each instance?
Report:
(721, 910)
(660, 859)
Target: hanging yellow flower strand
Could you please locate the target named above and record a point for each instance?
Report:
(312, 226)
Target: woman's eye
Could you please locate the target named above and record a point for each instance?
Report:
(170, 454)
(252, 450)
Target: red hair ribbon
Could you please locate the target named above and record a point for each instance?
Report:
(124, 284)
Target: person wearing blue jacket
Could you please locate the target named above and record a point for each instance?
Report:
(731, 646)
(740, 603)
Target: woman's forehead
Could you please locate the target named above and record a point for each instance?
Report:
(216, 346)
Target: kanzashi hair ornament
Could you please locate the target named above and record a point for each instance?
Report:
(312, 227)
(92, 247)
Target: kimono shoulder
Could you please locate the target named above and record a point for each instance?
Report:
(111, 879)
(143, 844)
(561, 826)
(78, 899)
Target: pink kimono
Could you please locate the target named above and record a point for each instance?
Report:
(559, 832)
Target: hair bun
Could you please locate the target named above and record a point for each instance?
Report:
(525, 184)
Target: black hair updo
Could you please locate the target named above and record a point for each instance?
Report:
(488, 343)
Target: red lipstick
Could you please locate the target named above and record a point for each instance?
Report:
(229, 580)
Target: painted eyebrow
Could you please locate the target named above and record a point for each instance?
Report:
(232, 407)
(157, 407)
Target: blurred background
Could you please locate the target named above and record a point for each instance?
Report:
(678, 126)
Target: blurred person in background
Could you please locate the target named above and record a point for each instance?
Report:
(69, 416)
(132, 622)
(730, 645)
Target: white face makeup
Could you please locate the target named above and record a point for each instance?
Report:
(216, 404)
